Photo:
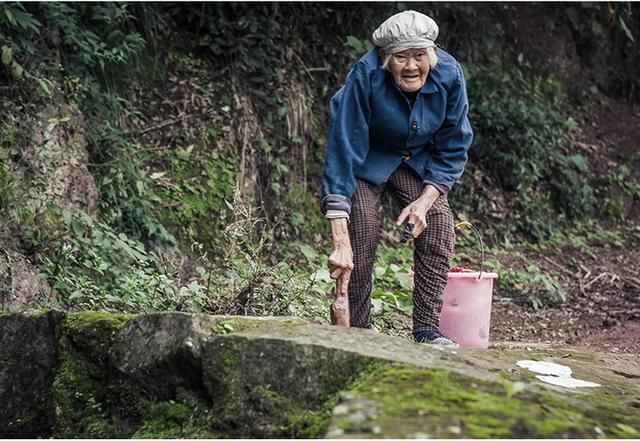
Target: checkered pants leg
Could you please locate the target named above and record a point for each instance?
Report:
(432, 249)
(364, 233)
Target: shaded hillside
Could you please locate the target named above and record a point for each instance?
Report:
(167, 156)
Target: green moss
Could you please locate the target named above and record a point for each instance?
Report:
(442, 404)
(277, 405)
(240, 324)
(304, 423)
(177, 420)
(76, 394)
(80, 390)
(285, 418)
(97, 324)
(201, 182)
(619, 410)
(88, 320)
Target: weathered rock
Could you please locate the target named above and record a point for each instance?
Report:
(58, 159)
(27, 363)
(82, 391)
(162, 352)
(401, 401)
(177, 375)
(20, 281)
(158, 357)
(51, 174)
(265, 386)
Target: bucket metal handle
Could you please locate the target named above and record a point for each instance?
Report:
(463, 224)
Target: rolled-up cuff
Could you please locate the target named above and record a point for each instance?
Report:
(336, 214)
(335, 202)
(443, 189)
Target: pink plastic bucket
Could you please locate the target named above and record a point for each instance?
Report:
(466, 312)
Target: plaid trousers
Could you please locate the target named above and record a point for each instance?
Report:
(432, 250)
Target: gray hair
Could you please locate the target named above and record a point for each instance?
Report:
(431, 54)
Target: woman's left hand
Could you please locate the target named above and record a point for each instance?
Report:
(416, 212)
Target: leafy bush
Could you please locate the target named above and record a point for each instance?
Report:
(528, 284)
(95, 37)
(93, 267)
(618, 24)
(8, 141)
(127, 202)
(522, 126)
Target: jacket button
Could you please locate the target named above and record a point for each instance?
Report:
(415, 125)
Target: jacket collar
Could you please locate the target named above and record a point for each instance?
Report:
(429, 86)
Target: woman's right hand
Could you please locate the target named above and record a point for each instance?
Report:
(340, 261)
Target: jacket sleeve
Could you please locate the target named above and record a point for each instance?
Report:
(348, 140)
(453, 139)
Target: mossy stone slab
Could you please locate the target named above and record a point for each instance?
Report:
(27, 364)
(82, 395)
(179, 375)
(405, 401)
(263, 385)
(161, 353)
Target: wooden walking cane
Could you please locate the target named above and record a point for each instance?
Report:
(340, 305)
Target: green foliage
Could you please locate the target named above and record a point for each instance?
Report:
(96, 268)
(15, 15)
(93, 267)
(621, 190)
(392, 291)
(244, 280)
(518, 123)
(618, 24)
(391, 294)
(18, 31)
(94, 37)
(588, 235)
(570, 186)
(356, 48)
(521, 126)
(8, 140)
(527, 283)
(127, 202)
(93, 40)
(198, 185)
(304, 219)
(6, 186)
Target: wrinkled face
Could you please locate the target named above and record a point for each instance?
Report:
(409, 69)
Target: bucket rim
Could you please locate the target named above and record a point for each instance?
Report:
(474, 274)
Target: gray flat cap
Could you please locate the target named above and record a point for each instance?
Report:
(405, 30)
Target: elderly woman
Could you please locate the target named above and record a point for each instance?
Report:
(398, 124)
